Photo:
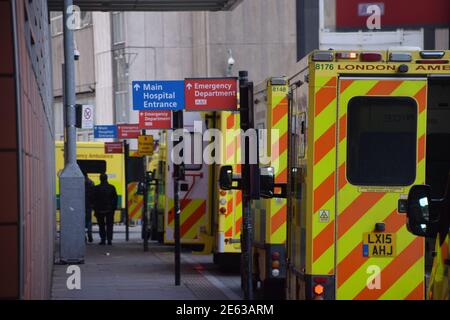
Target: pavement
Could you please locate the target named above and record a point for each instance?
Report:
(124, 271)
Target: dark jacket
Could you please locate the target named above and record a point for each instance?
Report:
(105, 198)
(89, 187)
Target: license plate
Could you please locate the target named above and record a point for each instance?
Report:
(379, 244)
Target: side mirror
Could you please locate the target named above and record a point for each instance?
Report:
(420, 213)
(226, 178)
(141, 188)
(267, 182)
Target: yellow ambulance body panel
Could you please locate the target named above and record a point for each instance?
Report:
(358, 133)
(114, 169)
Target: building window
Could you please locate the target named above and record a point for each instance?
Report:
(118, 28)
(382, 141)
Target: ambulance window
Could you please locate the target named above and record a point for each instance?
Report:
(381, 141)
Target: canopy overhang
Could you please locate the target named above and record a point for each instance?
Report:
(148, 5)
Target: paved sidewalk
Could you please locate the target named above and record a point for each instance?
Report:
(124, 271)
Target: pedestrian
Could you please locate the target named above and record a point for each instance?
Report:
(105, 204)
(88, 201)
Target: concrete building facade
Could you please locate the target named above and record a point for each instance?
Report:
(127, 46)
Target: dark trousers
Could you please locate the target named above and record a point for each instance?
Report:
(88, 223)
(105, 224)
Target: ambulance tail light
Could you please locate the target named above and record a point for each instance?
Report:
(319, 291)
(346, 55)
(320, 280)
(432, 54)
(371, 57)
(275, 264)
(400, 57)
(223, 210)
(323, 56)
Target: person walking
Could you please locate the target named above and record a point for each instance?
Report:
(105, 204)
(88, 200)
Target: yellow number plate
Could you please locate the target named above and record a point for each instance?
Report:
(379, 244)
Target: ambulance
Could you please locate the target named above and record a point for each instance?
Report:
(226, 204)
(92, 159)
(269, 215)
(364, 127)
(156, 207)
(195, 218)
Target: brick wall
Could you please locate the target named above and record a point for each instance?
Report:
(26, 153)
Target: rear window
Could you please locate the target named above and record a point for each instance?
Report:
(381, 141)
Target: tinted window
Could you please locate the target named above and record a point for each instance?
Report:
(382, 139)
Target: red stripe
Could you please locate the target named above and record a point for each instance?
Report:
(357, 209)
(342, 176)
(281, 177)
(183, 204)
(418, 293)
(136, 209)
(238, 198)
(281, 145)
(229, 207)
(230, 121)
(237, 225)
(229, 232)
(344, 84)
(354, 260)
(193, 219)
(421, 98)
(231, 147)
(279, 111)
(131, 186)
(421, 148)
(324, 144)
(324, 97)
(343, 127)
(384, 88)
(323, 241)
(390, 274)
(278, 219)
(324, 192)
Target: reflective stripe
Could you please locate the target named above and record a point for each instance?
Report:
(401, 276)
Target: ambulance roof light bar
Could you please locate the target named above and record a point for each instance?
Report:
(323, 56)
(346, 55)
(432, 54)
(400, 57)
(371, 56)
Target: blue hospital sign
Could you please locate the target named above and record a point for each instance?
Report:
(105, 132)
(158, 95)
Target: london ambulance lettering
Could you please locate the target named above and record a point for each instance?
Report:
(420, 68)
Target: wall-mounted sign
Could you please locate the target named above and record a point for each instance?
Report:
(158, 95)
(211, 94)
(105, 132)
(145, 145)
(113, 147)
(155, 119)
(128, 131)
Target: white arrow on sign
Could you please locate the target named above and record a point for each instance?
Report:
(189, 86)
(137, 87)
